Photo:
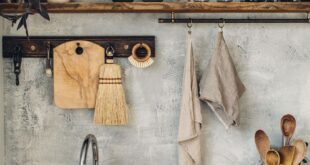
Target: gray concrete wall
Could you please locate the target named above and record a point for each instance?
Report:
(273, 60)
(1, 100)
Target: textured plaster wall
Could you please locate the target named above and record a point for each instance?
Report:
(273, 61)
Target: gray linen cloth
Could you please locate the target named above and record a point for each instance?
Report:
(220, 85)
(190, 115)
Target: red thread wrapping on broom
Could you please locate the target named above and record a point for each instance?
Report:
(110, 78)
(110, 81)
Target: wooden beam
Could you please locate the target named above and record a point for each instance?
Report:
(166, 7)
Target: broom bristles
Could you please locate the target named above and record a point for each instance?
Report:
(111, 107)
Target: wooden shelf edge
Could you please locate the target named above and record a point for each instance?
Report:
(166, 7)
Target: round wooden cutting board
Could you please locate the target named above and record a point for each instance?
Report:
(76, 74)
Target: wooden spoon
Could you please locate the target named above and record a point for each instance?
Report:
(300, 151)
(287, 155)
(272, 158)
(288, 125)
(262, 144)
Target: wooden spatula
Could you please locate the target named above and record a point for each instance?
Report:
(288, 125)
(262, 144)
(300, 151)
(272, 157)
(287, 155)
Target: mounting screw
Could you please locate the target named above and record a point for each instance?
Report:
(126, 47)
(33, 47)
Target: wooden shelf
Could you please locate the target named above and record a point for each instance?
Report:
(166, 7)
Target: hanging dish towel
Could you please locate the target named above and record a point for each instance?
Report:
(220, 86)
(190, 116)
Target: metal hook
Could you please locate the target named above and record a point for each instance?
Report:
(221, 23)
(110, 51)
(172, 17)
(17, 61)
(190, 25)
(48, 69)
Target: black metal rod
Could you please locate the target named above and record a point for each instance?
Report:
(186, 20)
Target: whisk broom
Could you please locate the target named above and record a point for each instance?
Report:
(111, 107)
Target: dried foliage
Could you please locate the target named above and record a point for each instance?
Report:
(29, 7)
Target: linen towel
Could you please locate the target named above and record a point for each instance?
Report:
(190, 115)
(220, 85)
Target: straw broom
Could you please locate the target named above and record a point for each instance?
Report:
(111, 107)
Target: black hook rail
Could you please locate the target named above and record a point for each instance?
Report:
(36, 46)
(186, 20)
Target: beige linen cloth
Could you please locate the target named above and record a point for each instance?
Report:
(220, 86)
(190, 116)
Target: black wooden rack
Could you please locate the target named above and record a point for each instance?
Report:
(36, 46)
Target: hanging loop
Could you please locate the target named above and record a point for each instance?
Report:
(135, 50)
(190, 25)
(221, 23)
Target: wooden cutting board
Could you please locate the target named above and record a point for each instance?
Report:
(76, 75)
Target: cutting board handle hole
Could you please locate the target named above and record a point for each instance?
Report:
(79, 50)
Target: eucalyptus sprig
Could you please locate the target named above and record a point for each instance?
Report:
(29, 7)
